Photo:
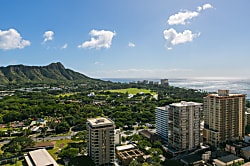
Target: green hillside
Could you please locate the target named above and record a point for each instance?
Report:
(53, 73)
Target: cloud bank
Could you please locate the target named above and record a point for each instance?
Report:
(140, 73)
(99, 39)
(173, 38)
(11, 39)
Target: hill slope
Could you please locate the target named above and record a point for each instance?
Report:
(54, 72)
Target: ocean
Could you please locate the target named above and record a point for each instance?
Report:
(234, 85)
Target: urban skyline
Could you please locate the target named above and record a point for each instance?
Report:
(165, 39)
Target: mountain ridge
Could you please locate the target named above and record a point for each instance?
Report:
(52, 73)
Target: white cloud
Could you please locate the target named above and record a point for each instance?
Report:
(181, 17)
(11, 39)
(64, 46)
(48, 35)
(199, 8)
(204, 7)
(173, 38)
(207, 6)
(130, 44)
(99, 39)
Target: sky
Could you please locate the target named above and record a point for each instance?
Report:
(129, 39)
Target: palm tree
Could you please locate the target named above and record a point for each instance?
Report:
(43, 131)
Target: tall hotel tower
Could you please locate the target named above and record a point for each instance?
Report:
(101, 147)
(224, 117)
(178, 124)
(184, 125)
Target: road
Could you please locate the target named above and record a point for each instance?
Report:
(51, 138)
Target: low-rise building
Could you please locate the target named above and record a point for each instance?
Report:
(39, 122)
(193, 159)
(245, 152)
(152, 137)
(228, 160)
(39, 157)
(127, 153)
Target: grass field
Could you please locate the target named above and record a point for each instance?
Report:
(60, 144)
(133, 91)
(65, 94)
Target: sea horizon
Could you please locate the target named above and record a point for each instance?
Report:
(208, 84)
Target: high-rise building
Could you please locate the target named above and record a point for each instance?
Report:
(101, 147)
(184, 125)
(161, 121)
(247, 116)
(224, 117)
(164, 82)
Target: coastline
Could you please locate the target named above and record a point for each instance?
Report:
(235, 85)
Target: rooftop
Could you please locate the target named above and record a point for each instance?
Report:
(185, 104)
(191, 158)
(125, 147)
(44, 144)
(96, 122)
(228, 158)
(229, 95)
(161, 108)
(129, 153)
(225, 93)
(246, 148)
(146, 133)
(40, 157)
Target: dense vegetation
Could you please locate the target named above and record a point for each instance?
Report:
(77, 105)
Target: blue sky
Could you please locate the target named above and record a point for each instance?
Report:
(129, 39)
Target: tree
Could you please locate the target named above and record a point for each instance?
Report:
(143, 144)
(16, 145)
(157, 144)
(43, 131)
(11, 116)
(123, 139)
(82, 135)
(155, 151)
(62, 127)
(134, 163)
(69, 153)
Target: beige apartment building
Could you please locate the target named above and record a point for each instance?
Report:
(101, 145)
(224, 117)
(184, 125)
